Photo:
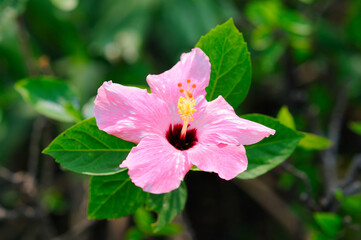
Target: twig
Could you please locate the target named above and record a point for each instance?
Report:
(329, 156)
(20, 179)
(353, 188)
(34, 149)
(303, 177)
(324, 7)
(27, 55)
(75, 231)
(10, 177)
(23, 181)
(272, 204)
(27, 212)
(353, 170)
(188, 232)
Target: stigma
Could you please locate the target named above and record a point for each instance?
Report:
(186, 105)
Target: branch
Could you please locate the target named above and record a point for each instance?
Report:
(22, 180)
(304, 178)
(353, 170)
(25, 49)
(272, 204)
(34, 148)
(76, 230)
(27, 212)
(329, 156)
(352, 189)
(14, 178)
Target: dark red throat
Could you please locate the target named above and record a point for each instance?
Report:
(173, 136)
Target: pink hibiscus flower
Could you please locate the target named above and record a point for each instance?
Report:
(175, 127)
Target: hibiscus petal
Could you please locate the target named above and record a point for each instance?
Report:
(130, 113)
(156, 166)
(226, 160)
(194, 66)
(220, 124)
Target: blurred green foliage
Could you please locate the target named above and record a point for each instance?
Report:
(305, 54)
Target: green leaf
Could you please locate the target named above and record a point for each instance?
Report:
(263, 12)
(50, 97)
(295, 23)
(88, 108)
(286, 118)
(113, 196)
(144, 221)
(134, 233)
(352, 204)
(167, 205)
(318, 235)
(270, 152)
(356, 127)
(262, 38)
(85, 149)
(230, 63)
(329, 223)
(313, 142)
(309, 141)
(169, 230)
(65, 5)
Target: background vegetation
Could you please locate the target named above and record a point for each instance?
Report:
(305, 54)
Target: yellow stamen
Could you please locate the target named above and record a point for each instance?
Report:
(186, 106)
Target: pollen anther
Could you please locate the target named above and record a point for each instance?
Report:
(186, 108)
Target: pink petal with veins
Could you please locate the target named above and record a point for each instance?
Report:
(156, 166)
(220, 124)
(130, 113)
(226, 160)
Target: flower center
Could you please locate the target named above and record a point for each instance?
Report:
(173, 136)
(186, 106)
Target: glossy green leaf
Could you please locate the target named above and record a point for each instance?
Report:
(167, 205)
(50, 97)
(65, 5)
(313, 142)
(262, 38)
(85, 149)
(114, 196)
(356, 127)
(330, 223)
(230, 63)
(270, 152)
(318, 235)
(134, 233)
(88, 108)
(286, 118)
(16, 6)
(144, 221)
(263, 12)
(352, 204)
(294, 23)
(309, 141)
(169, 230)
